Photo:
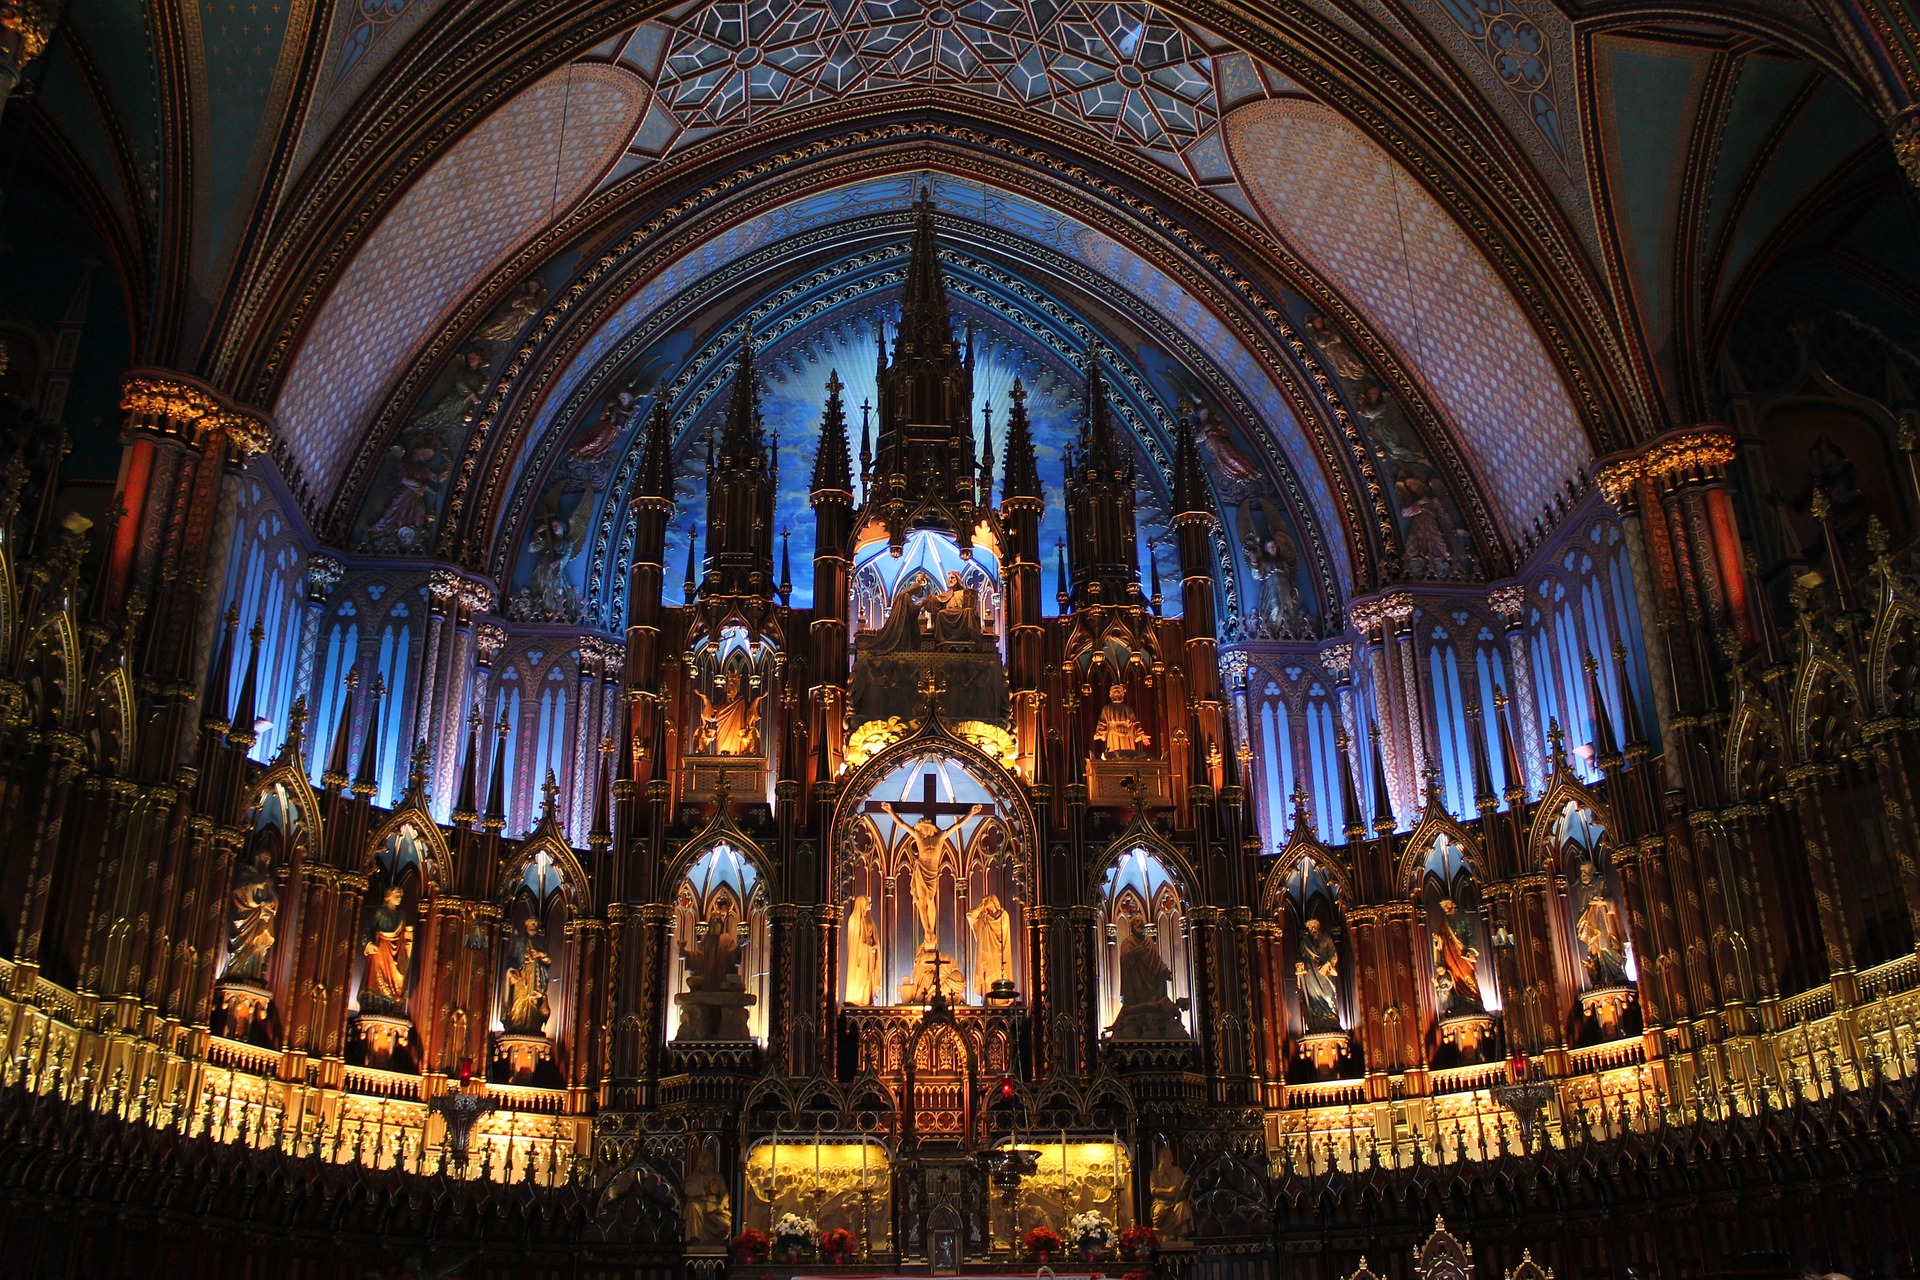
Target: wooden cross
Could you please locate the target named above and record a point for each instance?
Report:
(929, 805)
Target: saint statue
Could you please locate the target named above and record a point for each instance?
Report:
(388, 944)
(992, 944)
(1316, 972)
(1456, 956)
(729, 724)
(715, 1003)
(1118, 730)
(1597, 925)
(714, 963)
(253, 908)
(863, 953)
(1172, 1211)
(955, 613)
(1147, 1009)
(527, 968)
(708, 1209)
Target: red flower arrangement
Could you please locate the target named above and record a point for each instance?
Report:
(1134, 1275)
(751, 1246)
(1042, 1243)
(836, 1245)
(1139, 1243)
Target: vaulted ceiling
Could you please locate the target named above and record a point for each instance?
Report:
(1399, 249)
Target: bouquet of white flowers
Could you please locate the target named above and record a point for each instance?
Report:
(794, 1232)
(1090, 1231)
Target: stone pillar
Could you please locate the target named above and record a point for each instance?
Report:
(1510, 604)
(323, 575)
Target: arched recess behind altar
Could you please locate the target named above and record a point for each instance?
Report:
(1143, 901)
(933, 874)
(718, 967)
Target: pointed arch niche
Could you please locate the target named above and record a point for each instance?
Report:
(1146, 961)
(1596, 947)
(254, 968)
(717, 974)
(1463, 989)
(934, 878)
(1318, 967)
(389, 943)
(532, 989)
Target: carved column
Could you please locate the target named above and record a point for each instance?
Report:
(61, 754)
(589, 940)
(1893, 759)
(1813, 788)
(1510, 603)
(649, 1027)
(323, 575)
(1641, 914)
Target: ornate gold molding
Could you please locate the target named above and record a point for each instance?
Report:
(1904, 131)
(1699, 452)
(25, 28)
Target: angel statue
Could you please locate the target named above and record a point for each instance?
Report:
(1274, 563)
(554, 541)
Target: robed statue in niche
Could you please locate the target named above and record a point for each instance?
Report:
(1456, 961)
(715, 1003)
(729, 720)
(863, 953)
(992, 944)
(1596, 924)
(1317, 972)
(253, 911)
(1147, 1008)
(387, 941)
(1118, 731)
(528, 970)
(924, 617)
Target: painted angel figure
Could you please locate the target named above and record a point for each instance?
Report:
(456, 406)
(522, 305)
(1274, 563)
(550, 595)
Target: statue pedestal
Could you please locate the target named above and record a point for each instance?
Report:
(245, 1006)
(1106, 781)
(1608, 1007)
(714, 1015)
(382, 1034)
(1324, 1050)
(522, 1054)
(1467, 1033)
(748, 777)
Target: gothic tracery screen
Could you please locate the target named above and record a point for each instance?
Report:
(933, 887)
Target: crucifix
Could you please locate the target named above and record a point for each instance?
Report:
(928, 842)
